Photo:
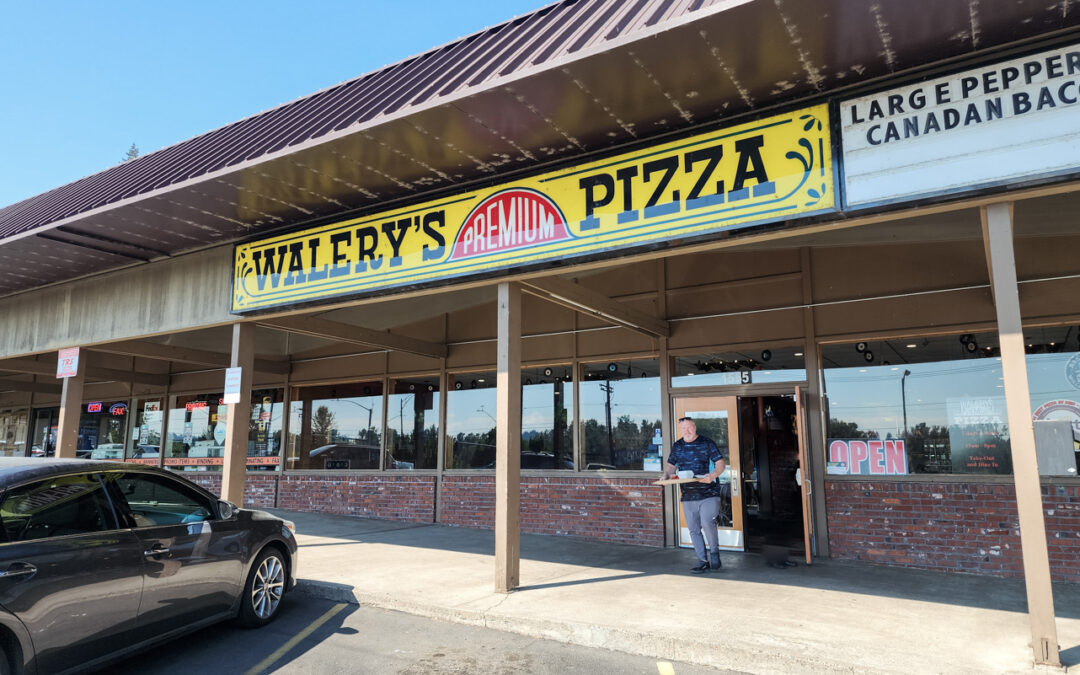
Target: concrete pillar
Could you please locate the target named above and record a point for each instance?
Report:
(998, 236)
(508, 441)
(67, 435)
(238, 425)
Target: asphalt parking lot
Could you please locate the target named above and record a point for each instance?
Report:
(312, 635)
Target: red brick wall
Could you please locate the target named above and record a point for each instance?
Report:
(956, 527)
(624, 510)
(260, 491)
(388, 496)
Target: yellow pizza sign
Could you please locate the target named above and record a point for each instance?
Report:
(767, 170)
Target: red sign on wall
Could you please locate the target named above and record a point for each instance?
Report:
(869, 457)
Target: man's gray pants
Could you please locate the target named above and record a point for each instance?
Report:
(702, 511)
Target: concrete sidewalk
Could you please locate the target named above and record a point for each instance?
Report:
(829, 617)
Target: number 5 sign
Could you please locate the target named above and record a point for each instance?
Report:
(67, 365)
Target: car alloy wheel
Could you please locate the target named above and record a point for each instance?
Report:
(268, 586)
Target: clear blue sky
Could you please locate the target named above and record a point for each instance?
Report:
(81, 81)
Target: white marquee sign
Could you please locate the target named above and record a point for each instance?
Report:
(1011, 121)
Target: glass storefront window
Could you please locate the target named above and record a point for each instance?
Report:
(620, 413)
(937, 405)
(547, 406)
(43, 435)
(102, 426)
(336, 427)
(196, 432)
(14, 426)
(412, 423)
(145, 447)
(470, 421)
(769, 364)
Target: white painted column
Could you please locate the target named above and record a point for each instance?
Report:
(508, 441)
(238, 425)
(998, 235)
(71, 397)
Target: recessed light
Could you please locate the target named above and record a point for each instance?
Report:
(894, 369)
(479, 379)
(798, 353)
(862, 370)
(912, 346)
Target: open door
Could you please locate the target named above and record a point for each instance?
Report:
(804, 466)
(717, 417)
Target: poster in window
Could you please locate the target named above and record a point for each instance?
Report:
(979, 435)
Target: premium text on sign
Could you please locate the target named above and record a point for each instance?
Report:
(767, 170)
(1009, 121)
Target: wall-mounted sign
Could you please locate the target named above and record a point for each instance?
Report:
(867, 457)
(767, 170)
(232, 385)
(118, 409)
(67, 362)
(94, 407)
(1011, 121)
(1061, 409)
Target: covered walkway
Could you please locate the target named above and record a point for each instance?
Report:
(828, 617)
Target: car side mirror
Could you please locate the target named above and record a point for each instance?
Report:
(226, 509)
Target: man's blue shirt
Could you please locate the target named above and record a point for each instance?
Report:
(696, 456)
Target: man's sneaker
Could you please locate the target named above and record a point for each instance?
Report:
(702, 567)
(714, 560)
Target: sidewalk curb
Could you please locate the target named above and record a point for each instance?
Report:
(779, 655)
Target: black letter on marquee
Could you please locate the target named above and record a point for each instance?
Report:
(437, 218)
(589, 185)
(713, 154)
(402, 226)
(338, 258)
(669, 165)
(750, 163)
(363, 235)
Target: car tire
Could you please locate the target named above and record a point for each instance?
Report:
(264, 589)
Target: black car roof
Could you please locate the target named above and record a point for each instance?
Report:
(19, 469)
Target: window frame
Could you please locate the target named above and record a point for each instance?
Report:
(108, 501)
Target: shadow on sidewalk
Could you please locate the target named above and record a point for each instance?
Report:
(631, 561)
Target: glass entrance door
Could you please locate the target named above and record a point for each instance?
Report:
(717, 418)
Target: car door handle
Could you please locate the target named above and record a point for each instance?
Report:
(156, 551)
(18, 570)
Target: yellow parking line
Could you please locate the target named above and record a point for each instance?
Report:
(665, 668)
(284, 649)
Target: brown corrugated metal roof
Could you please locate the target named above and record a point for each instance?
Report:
(546, 35)
(575, 77)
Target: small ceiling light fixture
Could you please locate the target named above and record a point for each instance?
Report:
(861, 347)
(798, 353)
(912, 346)
(766, 355)
(869, 356)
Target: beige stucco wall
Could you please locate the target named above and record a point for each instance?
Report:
(163, 297)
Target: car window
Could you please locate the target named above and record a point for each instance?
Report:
(160, 500)
(56, 507)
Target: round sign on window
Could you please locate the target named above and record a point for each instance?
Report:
(1072, 371)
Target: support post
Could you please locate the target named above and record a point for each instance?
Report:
(237, 427)
(998, 233)
(71, 397)
(508, 441)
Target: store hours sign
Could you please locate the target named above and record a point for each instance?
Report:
(762, 171)
(994, 125)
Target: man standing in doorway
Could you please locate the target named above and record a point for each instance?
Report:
(700, 500)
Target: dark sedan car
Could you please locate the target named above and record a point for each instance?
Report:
(101, 559)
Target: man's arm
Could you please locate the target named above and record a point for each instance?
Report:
(670, 470)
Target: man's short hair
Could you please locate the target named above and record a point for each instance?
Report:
(686, 419)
